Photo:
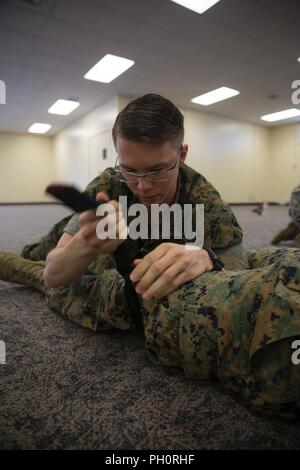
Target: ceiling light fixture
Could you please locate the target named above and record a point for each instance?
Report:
(196, 5)
(220, 94)
(63, 107)
(39, 128)
(108, 68)
(286, 114)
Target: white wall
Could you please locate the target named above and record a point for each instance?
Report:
(285, 161)
(76, 148)
(245, 162)
(26, 167)
(232, 155)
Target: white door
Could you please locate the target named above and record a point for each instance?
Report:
(102, 154)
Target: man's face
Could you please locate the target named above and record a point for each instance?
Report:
(142, 158)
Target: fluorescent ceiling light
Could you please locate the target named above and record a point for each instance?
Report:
(199, 6)
(214, 96)
(63, 107)
(108, 68)
(39, 128)
(298, 59)
(286, 114)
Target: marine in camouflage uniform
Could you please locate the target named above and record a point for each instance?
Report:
(294, 212)
(236, 326)
(292, 231)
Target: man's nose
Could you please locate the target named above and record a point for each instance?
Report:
(144, 183)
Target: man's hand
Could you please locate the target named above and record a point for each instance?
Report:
(167, 267)
(88, 227)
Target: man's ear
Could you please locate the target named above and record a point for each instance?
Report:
(183, 154)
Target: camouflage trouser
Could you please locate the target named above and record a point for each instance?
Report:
(235, 326)
(294, 209)
(38, 251)
(292, 231)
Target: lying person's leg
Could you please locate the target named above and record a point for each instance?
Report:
(276, 380)
(266, 256)
(296, 241)
(288, 233)
(97, 301)
(16, 269)
(237, 326)
(292, 231)
(39, 250)
(94, 302)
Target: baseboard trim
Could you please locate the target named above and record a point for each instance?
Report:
(257, 203)
(30, 203)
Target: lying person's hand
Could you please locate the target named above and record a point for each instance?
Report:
(167, 267)
(105, 237)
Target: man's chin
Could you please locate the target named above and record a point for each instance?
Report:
(149, 201)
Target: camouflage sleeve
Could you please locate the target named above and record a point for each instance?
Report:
(224, 228)
(234, 257)
(221, 229)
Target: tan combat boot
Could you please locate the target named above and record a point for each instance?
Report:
(14, 268)
(289, 233)
(296, 242)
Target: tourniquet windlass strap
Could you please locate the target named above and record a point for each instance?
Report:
(124, 265)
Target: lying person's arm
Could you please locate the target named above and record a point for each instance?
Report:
(234, 257)
(70, 259)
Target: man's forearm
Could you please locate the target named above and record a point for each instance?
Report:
(67, 264)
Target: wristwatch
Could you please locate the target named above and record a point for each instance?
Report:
(217, 263)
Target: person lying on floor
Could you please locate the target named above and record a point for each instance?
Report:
(239, 325)
(292, 231)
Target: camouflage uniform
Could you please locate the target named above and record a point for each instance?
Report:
(236, 326)
(295, 206)
(292, 231)
(38, 251)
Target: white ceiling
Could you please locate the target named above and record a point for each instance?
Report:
(45, 49)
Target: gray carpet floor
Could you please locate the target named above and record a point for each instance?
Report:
(66, 388)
